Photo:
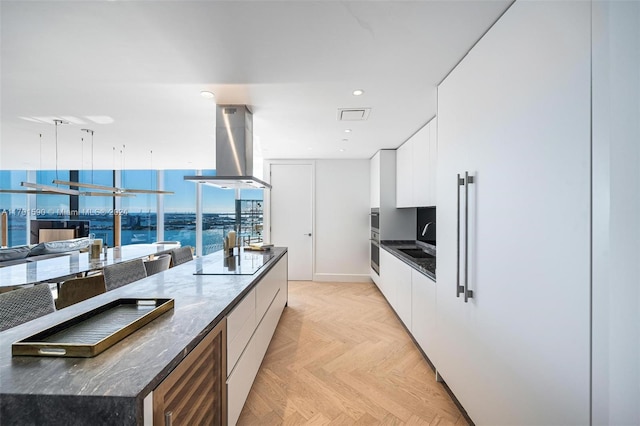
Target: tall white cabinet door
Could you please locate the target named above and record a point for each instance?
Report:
(433, 162)
(421, 167)
(374, 195)
(404, 174)
(515, 114)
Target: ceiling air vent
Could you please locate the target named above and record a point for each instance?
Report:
(353, 114)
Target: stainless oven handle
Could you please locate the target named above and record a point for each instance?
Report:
(459, 288)
(467, 293)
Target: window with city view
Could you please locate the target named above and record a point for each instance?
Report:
(221, 211)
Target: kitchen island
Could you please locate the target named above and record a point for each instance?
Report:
(114, 387)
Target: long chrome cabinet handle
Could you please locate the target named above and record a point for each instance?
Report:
(459, 288)
(467, 293)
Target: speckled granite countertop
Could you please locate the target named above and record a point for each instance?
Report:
(110, 388)
(425, 266)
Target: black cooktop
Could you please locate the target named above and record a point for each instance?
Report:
(244, 263)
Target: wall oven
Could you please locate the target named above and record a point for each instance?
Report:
(375, 240)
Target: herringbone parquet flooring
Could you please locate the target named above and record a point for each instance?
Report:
(341, 357)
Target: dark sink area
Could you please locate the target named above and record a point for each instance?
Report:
(417, 253)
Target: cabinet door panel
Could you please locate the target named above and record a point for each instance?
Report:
(241, 323)
(433, 162)
(404, 174)
(423, 311)
(375, 181)
(387, 276)
(515, 113)
(421, 167)
(396, 276)
(241, 379)
(195, 392)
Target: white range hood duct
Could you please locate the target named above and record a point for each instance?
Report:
(234, 150)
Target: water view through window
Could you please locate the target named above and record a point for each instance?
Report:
(139, 221)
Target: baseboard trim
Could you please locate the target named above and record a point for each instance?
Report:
(342, 278)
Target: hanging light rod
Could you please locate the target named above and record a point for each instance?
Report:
(113, 189)
(46, 189)
(28, 191)
(50, 188)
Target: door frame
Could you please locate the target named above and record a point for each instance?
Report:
(267, 202)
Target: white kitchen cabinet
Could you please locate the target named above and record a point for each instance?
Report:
(515, 115)
(615, 212)
(395, 224)
(404, 175)
(423, 311)
(421, 170)
(375, 181)
(396, 276)
(241, 323)
(261, 308)
(432, 172)
(387, 276)
(415, 169)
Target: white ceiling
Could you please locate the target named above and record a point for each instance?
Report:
(144, 63)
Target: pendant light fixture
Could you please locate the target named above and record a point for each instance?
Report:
(40, 188)
(113, 190)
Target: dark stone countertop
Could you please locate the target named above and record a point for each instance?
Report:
(425, 266)
(110, 388)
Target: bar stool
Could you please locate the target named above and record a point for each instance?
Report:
(123, 273)
(181, 255)
(79, 289)
(159, 264)
(25, 304)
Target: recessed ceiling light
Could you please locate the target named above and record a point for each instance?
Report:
(347, 130)
(342, 150)
(310, 149)
(358, 92)
(207, 95)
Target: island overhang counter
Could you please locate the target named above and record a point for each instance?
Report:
(112, 388)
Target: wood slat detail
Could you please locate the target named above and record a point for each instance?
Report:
(340, 356)
(195, 391)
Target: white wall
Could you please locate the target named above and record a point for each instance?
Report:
(616, 214)
(342, 220)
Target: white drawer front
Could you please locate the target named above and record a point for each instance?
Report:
(241, 324)
(240, 381)
(266, 291)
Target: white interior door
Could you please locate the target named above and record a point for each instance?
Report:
(292, 216)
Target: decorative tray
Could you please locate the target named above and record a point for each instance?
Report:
(92, 332)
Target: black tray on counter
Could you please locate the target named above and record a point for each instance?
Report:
(92, 332)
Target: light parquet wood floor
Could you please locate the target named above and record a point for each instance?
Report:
(341, 357)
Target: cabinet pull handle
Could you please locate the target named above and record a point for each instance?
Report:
(467, 293)
(459, 288)
(167, 418)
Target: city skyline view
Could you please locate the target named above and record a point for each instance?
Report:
(215, 200)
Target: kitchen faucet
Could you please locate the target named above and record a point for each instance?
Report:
(424, 231)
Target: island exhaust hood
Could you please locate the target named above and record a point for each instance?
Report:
(234, 150)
